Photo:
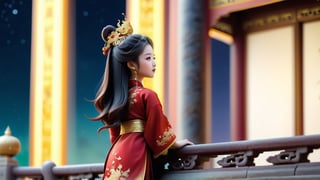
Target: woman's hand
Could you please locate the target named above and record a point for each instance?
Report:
(181, 143)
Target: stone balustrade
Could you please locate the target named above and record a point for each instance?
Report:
(234, 160)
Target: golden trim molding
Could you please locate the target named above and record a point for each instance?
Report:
(283, 18)
(308, 13)
(224, 3)
(269, 21)
(224, 27)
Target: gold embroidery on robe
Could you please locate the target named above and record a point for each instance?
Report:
(133, 159)
(132, 96)
(165, 137)
(117, 172)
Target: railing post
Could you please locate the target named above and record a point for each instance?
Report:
(6, 165)
(47, 170)
(9, 147)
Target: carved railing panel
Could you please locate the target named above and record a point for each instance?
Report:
(182, 162)
(243, 153)
(291, 156)
(239, 159)
(239, 162)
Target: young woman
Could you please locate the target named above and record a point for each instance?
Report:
(139, 131)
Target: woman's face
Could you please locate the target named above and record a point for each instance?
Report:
(147, 64)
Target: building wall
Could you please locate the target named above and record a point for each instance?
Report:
(311, 77)
(270, 83)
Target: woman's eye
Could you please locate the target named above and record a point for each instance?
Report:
(148, 58)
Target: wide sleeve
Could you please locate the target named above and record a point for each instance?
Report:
(158, 132)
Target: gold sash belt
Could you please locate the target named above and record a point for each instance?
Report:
(135, 125)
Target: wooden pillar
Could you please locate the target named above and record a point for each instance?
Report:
(51, 54)
(192, 62)
(238, 85)
(171, 64)
(298, 68)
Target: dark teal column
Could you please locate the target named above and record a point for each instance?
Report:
(192, 38)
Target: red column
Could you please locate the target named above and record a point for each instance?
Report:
(238, 86)
(171, 56)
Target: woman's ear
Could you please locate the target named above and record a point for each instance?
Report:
(132, 65)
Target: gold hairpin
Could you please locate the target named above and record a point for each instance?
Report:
(117, 36)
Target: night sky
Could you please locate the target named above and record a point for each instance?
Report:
(15, 39)
(85, 145)
(91, 16)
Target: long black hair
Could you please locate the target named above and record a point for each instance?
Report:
(112, 95)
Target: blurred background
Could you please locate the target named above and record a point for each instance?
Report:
(15, 53)
(85, 145)
(226, 70)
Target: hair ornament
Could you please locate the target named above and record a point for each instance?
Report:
(117, 36)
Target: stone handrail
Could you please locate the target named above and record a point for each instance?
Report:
(298, 147)
(238, 162)
(50, 171)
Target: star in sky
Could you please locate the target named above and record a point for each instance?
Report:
(15, 22)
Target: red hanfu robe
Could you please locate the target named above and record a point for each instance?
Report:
(131, 154)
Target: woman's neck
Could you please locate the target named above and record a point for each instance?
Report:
(136, 79)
